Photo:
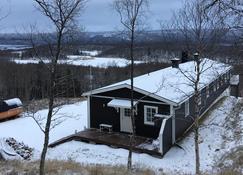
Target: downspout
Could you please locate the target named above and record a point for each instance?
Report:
(173, 109)
(88, 112)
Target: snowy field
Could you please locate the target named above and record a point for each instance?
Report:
(84, 61)
(13, 47)
(216, 139)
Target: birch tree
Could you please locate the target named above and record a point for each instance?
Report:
(232, 11)
(63, 15)
(131, 13)
(200, 30)
(201, 34)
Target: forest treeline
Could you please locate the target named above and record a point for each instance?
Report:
(31, 81)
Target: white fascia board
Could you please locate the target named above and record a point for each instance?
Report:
(97, 91)
(146, 93)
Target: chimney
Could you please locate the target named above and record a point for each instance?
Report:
(175, 62)
(184, 56)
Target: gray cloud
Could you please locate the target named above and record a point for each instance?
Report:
(98, 15)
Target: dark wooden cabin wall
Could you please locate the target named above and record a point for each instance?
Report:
(182, 123)
(101, 113)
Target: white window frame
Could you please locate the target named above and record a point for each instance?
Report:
(207, 92)
(199, 99)
(187, 108)
(145, 114)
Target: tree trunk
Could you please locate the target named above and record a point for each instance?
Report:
(51, 100)
(129, 161)
(47, 128)
(197, 147)
(197, 115)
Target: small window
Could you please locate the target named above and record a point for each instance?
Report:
(199, 99)
(218, 84)
(215, 87)
(228, 75)
(207, 91)
(127, 112)
(187, 108)
(225, 78)
(222, 80)
(149, 112)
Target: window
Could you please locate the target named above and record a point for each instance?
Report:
(199, 99)
(187, 108)
(127, 112)
(149, 112)
(225, 78)
(215, 87)
(221, 81)
(207, 91)
(228, 75)
(218, 84)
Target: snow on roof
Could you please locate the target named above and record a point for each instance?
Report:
(120, 103)
(171, 84)
(13, 101)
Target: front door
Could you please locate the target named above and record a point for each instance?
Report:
(125, 120)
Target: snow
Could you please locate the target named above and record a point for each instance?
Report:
(84, 61)
(120, 103)
(13, 47)
(171, 84)
(176, 160)
(213, 144)
(25, 128)
(13, 101)
(91, 53)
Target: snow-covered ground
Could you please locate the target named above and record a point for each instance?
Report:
(84, 61)
(26, 130)
(214, 141)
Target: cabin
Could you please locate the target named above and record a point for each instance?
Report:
(163, 101)
(10, 108)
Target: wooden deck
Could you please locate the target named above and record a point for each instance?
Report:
(113, 139)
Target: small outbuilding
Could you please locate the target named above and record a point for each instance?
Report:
(10, 108)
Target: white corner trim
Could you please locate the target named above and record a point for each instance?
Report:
(161, 132)
(88, 112)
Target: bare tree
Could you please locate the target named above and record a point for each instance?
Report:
(232, 10)
(200, 33)
(199, 30)
(132, 13)
(63, 15)
(195, 81)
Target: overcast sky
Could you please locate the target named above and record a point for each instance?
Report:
(98, 15)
